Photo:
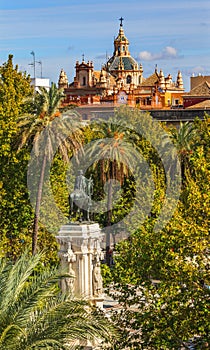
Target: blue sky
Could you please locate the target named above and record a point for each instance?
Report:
(173, 35)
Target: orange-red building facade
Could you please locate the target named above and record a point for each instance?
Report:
(121, 81)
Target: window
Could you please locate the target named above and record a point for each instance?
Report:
(148, 101)
(128, 79)
(84, 81)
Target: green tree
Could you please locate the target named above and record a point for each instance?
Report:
(14, 90)
(15, 210)
(34, 314)
(202, 129)
(184, 138)
(162, 278)
(160, 283)
(112, 154)
(47, 129)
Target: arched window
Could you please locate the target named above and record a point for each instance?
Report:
(84, 81)
(128, 79)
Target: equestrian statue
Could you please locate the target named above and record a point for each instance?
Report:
(80, 198)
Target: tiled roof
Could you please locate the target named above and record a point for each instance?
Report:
(201, 105)
(173, 87)
(112, 80)
(97, 74)
(202, 89)
(128, 63)
(150, 81)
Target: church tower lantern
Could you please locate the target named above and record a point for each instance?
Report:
(121, 43)
(121, 65)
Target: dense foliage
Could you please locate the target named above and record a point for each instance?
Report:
(160, 273)
(29, 136)
(34, 314)
(161, 278)
(15, 210)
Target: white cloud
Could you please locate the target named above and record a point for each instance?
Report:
(166, 53)
(198, 70)
(195, 70)
(169, 51)
(146, 56)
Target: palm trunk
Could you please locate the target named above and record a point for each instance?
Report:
(109, 216)
(183, 162)
(109, 204)
(37, 207)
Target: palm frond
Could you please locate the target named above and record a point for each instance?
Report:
(34, 314)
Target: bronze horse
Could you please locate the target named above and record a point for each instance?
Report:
(80, 201)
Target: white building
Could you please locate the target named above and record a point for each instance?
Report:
(40, 82)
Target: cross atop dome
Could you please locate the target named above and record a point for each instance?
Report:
(121, 21)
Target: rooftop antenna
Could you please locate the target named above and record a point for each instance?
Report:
(40, 62)
(33, 64)
(107, 57)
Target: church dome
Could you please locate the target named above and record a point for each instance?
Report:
(128, 63)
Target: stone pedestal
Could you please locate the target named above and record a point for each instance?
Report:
(80, 254)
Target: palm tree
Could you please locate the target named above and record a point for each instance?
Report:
(34, 314)
(113, 153)
(47, 129)
(183, 138)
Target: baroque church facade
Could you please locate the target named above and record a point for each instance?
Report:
(121, 81)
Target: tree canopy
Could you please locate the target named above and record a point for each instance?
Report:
(15, 210)
(161, 278)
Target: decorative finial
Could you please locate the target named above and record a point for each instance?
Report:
(121, 21)
(83, 57)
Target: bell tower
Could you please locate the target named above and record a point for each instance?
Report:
(84, 74)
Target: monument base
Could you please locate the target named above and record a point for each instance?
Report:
(80, 255)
